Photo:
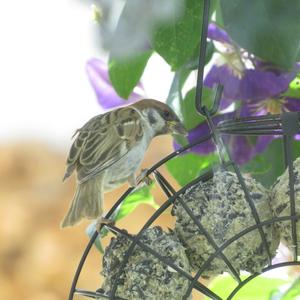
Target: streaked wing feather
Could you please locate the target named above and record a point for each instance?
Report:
(99, 142)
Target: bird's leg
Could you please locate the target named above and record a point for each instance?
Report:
(143, 177)
(102, 220)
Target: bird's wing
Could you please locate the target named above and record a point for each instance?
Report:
(103, 141)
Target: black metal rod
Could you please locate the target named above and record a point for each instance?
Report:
(252, 133)
(257, 124)
(254, 118)
(202, 52)
(167, 188)
(288, 154)
(270, 120)
(254, 127)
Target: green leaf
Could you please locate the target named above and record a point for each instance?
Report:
(294, 89)
(187, 167)
(191, 118)
(132, 201)
(192, 64)
(268, 29)
(125, 73)
(257, 289)
(176, 41)
(266, 167)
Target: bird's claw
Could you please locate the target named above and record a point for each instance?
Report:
(144, 177)
(103, 221)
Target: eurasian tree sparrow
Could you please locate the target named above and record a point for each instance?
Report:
(109, 149)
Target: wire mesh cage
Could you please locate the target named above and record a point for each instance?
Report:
(229, 240)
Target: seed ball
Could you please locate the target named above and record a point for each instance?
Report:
(220, 206)
(280, 203)
(145, 276)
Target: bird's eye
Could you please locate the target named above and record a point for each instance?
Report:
(167, 114)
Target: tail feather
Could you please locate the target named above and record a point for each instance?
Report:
(87, 202)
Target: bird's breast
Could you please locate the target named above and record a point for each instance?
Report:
(118, 173)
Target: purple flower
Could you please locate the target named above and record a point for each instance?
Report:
(254, 84)
(107, 97)
(243, 76)
(257, 85)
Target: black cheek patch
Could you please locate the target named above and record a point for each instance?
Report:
(151, 118)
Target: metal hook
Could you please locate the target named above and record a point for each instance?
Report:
(201, 64)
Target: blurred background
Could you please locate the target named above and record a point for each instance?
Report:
(45, 96)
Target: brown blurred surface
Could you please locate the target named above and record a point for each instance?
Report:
(37, 258)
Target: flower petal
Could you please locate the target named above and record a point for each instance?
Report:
(97, 72)
(223, 75)
(217, 34)
(243, 148)
(258, 85)
(292, 104)
(254, 85)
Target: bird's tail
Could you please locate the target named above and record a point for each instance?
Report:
(87, 202)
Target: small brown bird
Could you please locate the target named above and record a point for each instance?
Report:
(109, 149)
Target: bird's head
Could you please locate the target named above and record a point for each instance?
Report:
(161, 118)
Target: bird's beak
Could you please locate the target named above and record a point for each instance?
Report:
(177, 127)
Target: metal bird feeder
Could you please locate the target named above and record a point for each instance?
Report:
(285, 125)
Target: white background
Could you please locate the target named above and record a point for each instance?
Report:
(44, 91)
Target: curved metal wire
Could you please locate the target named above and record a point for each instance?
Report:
(251, 277)
(121, 199)
(135, 241)
(91, 242)
(235, 238)
(174, 195)
(284, 125)
(164, 260)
